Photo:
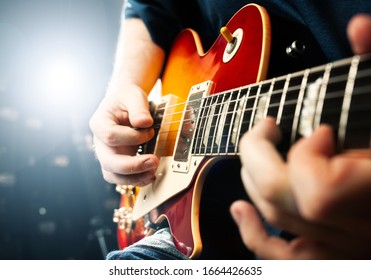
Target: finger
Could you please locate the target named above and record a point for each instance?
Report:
(139, 180)
(253, 233)
(330, 180)
(278, 216)
(127, 165)
(262, 163)
(138, 108)
(124, 160)
(111, 128)
(117, 135)
(257, 239)
(359, 33)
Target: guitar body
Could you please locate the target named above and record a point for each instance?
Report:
(198, 211)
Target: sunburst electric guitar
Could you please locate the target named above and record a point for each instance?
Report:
(211, 98)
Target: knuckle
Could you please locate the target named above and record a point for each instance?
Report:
(294, 151)
(315, 207)
(272, 216)
(110, 137)
(107, 176)
(270, 187)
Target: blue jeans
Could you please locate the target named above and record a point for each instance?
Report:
(158, 246)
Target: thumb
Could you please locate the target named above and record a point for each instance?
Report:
(249, 223)
(138, 108)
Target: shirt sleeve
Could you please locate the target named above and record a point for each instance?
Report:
(160, 17)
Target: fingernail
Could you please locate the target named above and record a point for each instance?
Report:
(149, 164)
(236, 215)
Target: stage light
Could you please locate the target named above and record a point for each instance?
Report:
(61, 79)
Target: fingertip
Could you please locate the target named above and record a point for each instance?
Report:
(151, 163)
(141, 119)
(320, 142)
(358, 31)
(240, 210)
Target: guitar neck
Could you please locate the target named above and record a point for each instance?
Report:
(337, 93)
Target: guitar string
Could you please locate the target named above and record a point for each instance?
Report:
(248, 122)
(360, 74)
(333, 80)
(214, 98)
(330, 95)
(284, 118)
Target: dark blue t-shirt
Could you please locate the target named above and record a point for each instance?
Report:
(326, 19)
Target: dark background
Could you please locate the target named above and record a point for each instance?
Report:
(56, 57)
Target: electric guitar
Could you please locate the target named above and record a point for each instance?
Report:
(211, 98)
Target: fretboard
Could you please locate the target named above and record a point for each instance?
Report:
(338, 94)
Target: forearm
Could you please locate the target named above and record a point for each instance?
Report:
(138, 60)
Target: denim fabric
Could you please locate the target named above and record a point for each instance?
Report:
(158, 246)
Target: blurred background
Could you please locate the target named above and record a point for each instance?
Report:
(56, 57)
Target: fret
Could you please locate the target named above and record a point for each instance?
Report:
(308, 110)
(321, 96)
(219, 132)
(288, 109)
(299, 106)
(229, 144)
(263, 101)
(267, 104)
(358, 126)
(215, 140)
(333, 101)
(346, 101)
(249, 105)
(283, 99)
(255, 106)
(201, 127)
(237, 131)
(220, 138)
(210, 125)
(276, 96)
(219, 101)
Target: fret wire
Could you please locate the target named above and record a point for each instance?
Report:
(217, 118)
(217, 123)
(322, 94)
(208, 122)
(283, 98)
(245, 98)
(222, 127)
(269, 97)
(253, 111)
(299, 103)
(232, 119)
(346, 101)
